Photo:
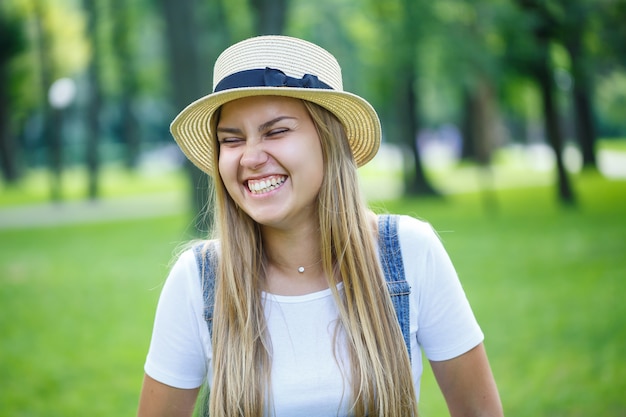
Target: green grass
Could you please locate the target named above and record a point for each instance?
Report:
(114, 182)
(77, 305)
(547, 285)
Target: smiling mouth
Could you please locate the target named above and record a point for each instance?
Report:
(266, 184)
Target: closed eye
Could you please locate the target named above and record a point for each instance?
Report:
(230, 140)
(229, 136)
(276, 132)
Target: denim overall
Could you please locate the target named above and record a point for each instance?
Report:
(390, 259)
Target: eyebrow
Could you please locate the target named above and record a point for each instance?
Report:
(262, 127)
(272, 122)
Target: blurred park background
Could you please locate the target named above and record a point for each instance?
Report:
(504, 126)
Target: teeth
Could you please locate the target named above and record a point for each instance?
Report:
(266, 185)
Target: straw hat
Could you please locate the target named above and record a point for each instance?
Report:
(279, 66)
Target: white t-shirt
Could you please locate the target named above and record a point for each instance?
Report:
(307, 377)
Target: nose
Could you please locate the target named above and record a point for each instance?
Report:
(253, 155)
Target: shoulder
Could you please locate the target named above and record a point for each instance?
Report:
(415, 233)
(412, 233)
(419, 243)
(424, 255)
(184, 272)
(187, 257)
(196, 252)
(410, 223)
(188, 264)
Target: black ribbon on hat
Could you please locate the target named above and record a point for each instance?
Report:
(268, 77)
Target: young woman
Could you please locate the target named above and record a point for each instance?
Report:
(291, 309)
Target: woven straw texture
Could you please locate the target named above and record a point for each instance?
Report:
(295, 57)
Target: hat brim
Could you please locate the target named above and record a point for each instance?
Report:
(192, 131)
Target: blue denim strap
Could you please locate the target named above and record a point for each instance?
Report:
(393, 267)
(206, 258)
(390, 257)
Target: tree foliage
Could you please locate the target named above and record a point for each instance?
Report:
(485, 66)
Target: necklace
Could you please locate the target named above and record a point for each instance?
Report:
(301, 269)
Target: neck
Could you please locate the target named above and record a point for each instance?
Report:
(294, 262)
(290, 250)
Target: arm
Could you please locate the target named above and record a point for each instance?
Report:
(160, 400)
(468, 385)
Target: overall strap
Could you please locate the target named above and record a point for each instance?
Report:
(206, 257)
(393, 268)
(390, 258)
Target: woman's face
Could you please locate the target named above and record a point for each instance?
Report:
(270, 159)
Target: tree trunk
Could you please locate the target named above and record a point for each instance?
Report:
(51, 125)
(544, 32)
(269, 16)
(483, 133)
(128, 81)
(415, 183)
(583, 108)
(482, 127)
(553, 130)
(409, 107)
(575, 26)
(94, 105)
(468, 125)
(585, 126)
(186, 74)
(11, 43)
(8, 146)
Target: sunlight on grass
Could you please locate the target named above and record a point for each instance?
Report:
(547, 286)
(81, 300)
(511, 167)
(114, 182)
(546, 283)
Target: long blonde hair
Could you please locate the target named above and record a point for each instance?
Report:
(382, 383)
